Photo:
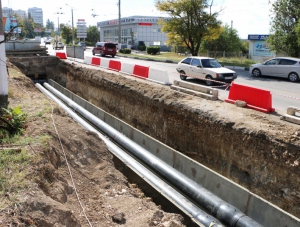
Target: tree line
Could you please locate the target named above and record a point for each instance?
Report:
(193, 24)
(28, 30)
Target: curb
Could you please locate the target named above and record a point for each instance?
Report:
(236, 67)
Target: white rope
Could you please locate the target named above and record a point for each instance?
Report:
(83, 210)
(69, 169)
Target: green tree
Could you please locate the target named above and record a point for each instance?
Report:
(93, 35)
(284, 35)
(66, 33)
(27, 26)
(190, 22)
(50, 25)
(228, 41)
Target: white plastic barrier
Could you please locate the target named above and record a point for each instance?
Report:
(104, 63)
(127, 68)
(158, 75)
(88, 60)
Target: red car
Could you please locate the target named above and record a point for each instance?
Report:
(105, 48)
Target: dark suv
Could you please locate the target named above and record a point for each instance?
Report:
(105, 48)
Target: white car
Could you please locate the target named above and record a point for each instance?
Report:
(205, 68)
(278, 67)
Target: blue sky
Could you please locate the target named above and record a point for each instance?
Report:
(246, 16)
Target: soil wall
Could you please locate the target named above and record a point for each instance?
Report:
(255, 150)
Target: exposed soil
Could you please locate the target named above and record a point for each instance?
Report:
(71, 179)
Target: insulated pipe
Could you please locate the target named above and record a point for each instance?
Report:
(223, 211)
(196, 214)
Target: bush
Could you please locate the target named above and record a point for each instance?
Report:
(12, 121)
(141, 47)
(153, 50)
(125, 51)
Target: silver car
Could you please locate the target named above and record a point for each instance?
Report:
(284, 67)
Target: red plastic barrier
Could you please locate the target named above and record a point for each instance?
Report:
(140, 71)
(96, 61)
(255, 98)
(61, 55)
(114, 65)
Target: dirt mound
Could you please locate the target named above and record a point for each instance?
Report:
(70, 179)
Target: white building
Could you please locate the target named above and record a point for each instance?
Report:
(141, 28)
(8, 12)
(36, 14)
(21, 13)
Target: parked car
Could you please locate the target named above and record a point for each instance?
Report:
(58, 45)
(47, 41)
(208, 69)
(105, 48)
(82, 44)
(133, 47)
(284, 67)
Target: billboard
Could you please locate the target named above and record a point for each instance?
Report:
(261, 48)
(81, 28)
(9, 22)
(38, 30)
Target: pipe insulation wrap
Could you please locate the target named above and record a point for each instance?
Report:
(223, 211)
(199, 216)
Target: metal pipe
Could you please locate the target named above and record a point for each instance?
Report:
(194, 212)
(223, 211)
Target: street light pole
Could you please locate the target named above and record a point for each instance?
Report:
(72, 28)
(57, 38)
(72, 24)
(120, 41)
(3, 72)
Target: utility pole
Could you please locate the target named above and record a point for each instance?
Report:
(73, 42)
(3, 72)
(119, 41)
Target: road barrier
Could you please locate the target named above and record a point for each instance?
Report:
(194, 89)
(143, 72)
(104, 63)
(114, 65)
(257, 99)
(291, 115)
(96, 61)
(140, 71)
(61, 55)
(127, 68)
(88, 60)
(161, 76)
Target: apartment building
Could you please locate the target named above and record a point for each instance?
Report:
(36, 14)
(9, 12)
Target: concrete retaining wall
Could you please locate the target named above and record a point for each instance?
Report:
(22, 44)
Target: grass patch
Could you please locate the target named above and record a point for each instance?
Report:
(174, 57)
(12, 165)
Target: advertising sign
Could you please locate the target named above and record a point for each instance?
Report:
(9, 22)
(38, 30)
(81, 28)
(261, 48)
(257, 37)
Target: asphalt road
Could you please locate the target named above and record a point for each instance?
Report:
(284, 93)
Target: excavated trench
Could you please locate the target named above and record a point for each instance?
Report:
(255, 150)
